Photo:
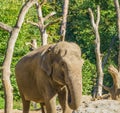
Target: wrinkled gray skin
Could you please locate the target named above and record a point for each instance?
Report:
(49, 71)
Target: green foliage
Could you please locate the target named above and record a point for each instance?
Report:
(17, 104)
(1, 103)
(89, 75)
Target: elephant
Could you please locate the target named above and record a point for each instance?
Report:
(48, 72)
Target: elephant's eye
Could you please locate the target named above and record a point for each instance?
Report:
(63, 64)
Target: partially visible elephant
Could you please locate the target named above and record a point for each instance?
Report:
(49, 71)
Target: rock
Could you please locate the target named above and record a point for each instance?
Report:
(100, 106)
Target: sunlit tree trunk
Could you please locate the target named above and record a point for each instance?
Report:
(64, 21)
(97, 50)
(9, 53)
(44, 35)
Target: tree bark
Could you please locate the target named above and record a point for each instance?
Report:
(9, 54)
(97, 49)
(42, 29)
(5, 27)
(64, 21)
(114, 91)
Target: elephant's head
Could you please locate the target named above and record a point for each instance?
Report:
(63, 63)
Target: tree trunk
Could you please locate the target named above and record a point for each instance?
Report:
(64, 21)
(97, 50)
(8, 57)
(44, 35)
(114, 91)
(99, 63)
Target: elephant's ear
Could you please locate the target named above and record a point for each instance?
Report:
(46, 61)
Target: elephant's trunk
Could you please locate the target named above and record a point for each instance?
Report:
(74, 91)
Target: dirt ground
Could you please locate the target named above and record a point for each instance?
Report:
(88, 106)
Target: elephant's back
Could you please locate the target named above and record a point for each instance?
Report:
(31, 57)
(27, 66)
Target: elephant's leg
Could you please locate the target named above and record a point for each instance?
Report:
(43, 108)
(26, 105)
(63, 97)
(51, 105)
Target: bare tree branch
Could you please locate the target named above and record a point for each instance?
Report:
(106, 88)
(114, 72)
(41, 22)
(32, 23)
(114, 91)
(97, 49)
(53, 22)
(5, 27)
(42, 29)
(40, 16)
(91, 17)
(98, 15)
(64, 21)
(95, 24)
(43, 2)
(49, 15)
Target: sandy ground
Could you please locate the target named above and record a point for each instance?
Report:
(88, 106)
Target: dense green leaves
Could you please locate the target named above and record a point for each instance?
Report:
(89, 77)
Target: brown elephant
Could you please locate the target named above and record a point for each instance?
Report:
(49, 71)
